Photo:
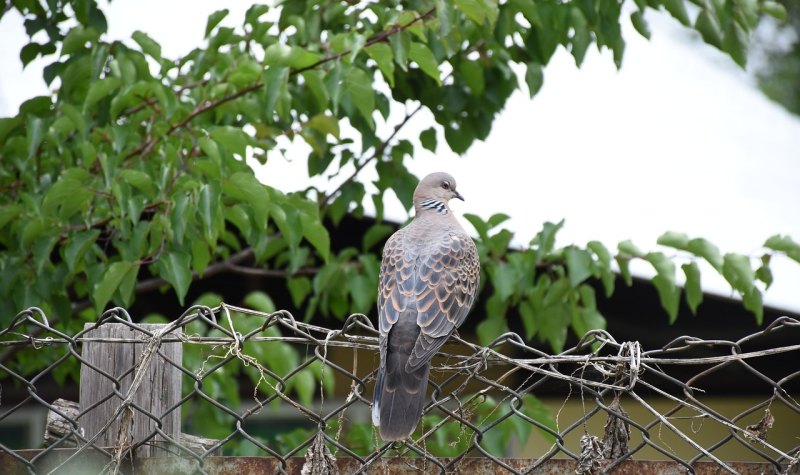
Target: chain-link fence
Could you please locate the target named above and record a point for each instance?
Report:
(229, 381)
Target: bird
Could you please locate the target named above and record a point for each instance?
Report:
(430, 274)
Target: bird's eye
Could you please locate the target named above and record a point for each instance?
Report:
(446, 185)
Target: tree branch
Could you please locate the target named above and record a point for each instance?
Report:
(382, 36)
(148, 144)
(326, 198)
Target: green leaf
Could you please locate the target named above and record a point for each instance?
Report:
(260, 301)
(245, 187)
(735, 43)
(504, 279)
(68, 195)
(587, 317)
(669, 294)
(359, 85)
(175, 268)
(534, 78)
(529, 11)
(77, 38)
(210, 149)
(313, 80)
(304, 384)
(35, 131)
(677, 9)
(109, 283)
(629, 248)
(29, 52)
(148, 45)
(491, 328)
(702, 248)
(375, 234)
(317, 235)
(214, 19)
(255, 12)
(784, 244)
(709, 28)
(362, 288)
(640, 24)
(275, 80)
(77, 246)
(208, 205)
(546, 238)
(675, 240)
(738, 272)
(763, 273)
(42, 249)
(300, 58)
(400, 44)
(774, 9)
(664, 282)
(428, 139)
(299, 288)
(128, 285)
(8, 125)
(200, 256)
(541, 413)
(232, 138)
(99, 90)
(554, 322)
(480, 226)
(601, 251)
(280, 54)
(246, 73)
(604, 262)
(556, 292)
(479, 10)
(662, 264)
(420, 54)
(9, 212)
(527, 312)
(325, 125)
(32, 230)
(472, 72)
(381, 53)
(694, 293)
(753, 301)
(140, 180)
(578, 265)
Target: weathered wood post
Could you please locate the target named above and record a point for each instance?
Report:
(159, 390)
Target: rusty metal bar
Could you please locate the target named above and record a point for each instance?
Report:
(94, 462)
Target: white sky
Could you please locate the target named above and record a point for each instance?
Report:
(679, 139)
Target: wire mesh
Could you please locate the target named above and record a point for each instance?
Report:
(482, 399)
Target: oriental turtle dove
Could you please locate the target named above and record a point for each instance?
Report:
(429, 277)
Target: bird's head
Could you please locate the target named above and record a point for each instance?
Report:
(439, 186)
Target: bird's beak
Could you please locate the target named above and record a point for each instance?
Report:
(458, 195)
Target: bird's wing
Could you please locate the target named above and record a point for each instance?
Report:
(395, 286)
(444, 289)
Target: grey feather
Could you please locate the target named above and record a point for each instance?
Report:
(429, 277)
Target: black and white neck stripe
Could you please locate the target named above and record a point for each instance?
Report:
(434, 204)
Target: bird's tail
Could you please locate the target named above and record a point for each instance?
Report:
(399, 397)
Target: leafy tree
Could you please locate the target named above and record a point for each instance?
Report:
(779, 75)
(133, 174)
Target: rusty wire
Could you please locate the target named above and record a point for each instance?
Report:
(604, 374)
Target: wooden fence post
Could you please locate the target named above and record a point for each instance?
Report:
(158, 392)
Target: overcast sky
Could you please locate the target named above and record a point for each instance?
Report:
(678, 139)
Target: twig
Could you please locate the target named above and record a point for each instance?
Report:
(325, 199)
